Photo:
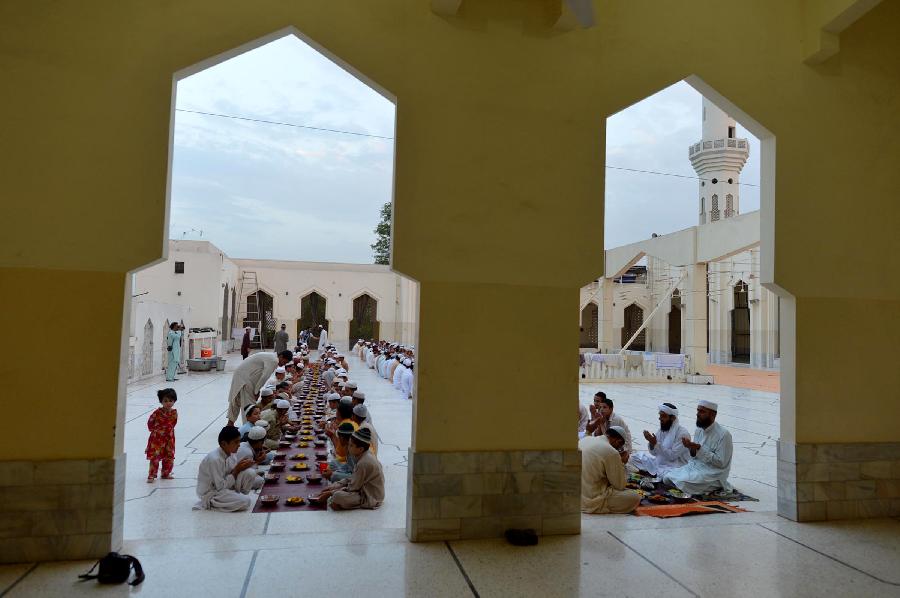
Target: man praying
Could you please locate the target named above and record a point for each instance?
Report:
(667, 451)
(365, 488)
(223, 484)
(603, 475)
(710, 456)
(602, 417)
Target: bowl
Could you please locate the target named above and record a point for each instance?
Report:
(269, 499)
(299, 457)
(284, 443)
(321, 456)
(316, 500)
(271, 477)
(319, 443)
(314, 478)
(277, 466)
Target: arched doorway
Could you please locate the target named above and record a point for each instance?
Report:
(147, 350)
(590, 317)
(365, 319)
(312, 315)
(261, 313)
(740, 324)
(634, 317)
(226, 319)
(675, 324)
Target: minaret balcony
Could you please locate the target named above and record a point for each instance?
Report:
(719, 144)
(711, 155)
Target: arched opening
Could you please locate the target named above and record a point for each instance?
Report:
(740, 324)
(364, 324)
(261, 316)
(675, 323)
(147, 350)
(634, 317)
(225, 332)
(163, 345)
(312, 315)
(232, 323)
(590, 317)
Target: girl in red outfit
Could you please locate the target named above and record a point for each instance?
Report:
(161, 444)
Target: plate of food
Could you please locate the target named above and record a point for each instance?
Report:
(269, 500)
(677, 495)
(299, 457)
(284, 443)
(300, 466)
(295, 501)
(319, 443)
(307, 438)
(293, 479)
(303, 444)
(271, 477)
(658, 499)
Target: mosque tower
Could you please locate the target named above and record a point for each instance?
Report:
(718, 159)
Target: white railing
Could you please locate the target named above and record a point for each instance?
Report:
(717, 144)
(624, 369)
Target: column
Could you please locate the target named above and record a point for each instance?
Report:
(695, 318)
(607, 295)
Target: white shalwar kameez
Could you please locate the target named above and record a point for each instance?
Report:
(406, 382)
(708, 470)
(667, 454)
(323, 340)
(398, 373)
(217, 489)
(247, 380)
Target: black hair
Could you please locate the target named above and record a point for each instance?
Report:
(606, 401)
(600, 394)
(345, 410)
(359, 442)
(228, 433)
(670, 405)
(287, 355)
(173, 325)
(166, 393)
(282, 384)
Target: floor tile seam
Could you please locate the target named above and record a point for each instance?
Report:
(462, 569)
(654, 565)
(247, 577)
(211, 422)
(166, 544)
(831, 557)
(18, 580)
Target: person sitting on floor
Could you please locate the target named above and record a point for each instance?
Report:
(223, 484)
(583, 418)
(341, 467)
(251, 415)
(266, 399)
(253, 447)
(602, 417)
(365, 488)
(362, 419)
(710, 463)
(666, 448)
(279, 423)
(603, 475)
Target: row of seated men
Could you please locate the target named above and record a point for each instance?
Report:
(231, 472)
(392, 361)
(696, 465)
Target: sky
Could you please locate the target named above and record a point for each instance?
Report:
(270, 191)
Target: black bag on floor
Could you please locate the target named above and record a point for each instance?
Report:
(116, 568)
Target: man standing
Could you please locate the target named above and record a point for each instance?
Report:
(281, 339)
(710, 462)
(323, 337)
(245, 343)
(173, 351)
(603, 476)
(666, 448)
(249, 378)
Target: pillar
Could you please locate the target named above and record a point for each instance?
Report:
(695, 318)
(607, 295)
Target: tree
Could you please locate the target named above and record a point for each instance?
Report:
(382, 245)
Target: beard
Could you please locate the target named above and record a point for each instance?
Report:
(665, 426)
(702, 424)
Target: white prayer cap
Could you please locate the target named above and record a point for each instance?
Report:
(619, 430)
(407, 362)
(351, 384)
(342, 383)
(279, 370)
(663, 408)
(341, 371)
(709, 405)
(266, 392)
(358, 394)
(249, 408)
(361, 411)
(262, 424)
(256, 433)
(282, 404)
(333, 396)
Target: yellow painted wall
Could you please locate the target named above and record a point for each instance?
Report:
(499, 178)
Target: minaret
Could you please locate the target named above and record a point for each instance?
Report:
(718, 159)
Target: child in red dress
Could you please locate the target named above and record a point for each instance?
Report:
(161, 444)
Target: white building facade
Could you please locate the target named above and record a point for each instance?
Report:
(700, 287)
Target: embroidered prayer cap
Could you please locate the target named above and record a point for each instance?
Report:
(668, 409)
(282, 404)
(262, 424)
(618, 431)
(256, 433)
(266, 392)
(279, 370)
(345, 429)
(351, 384)
(407, 362)
(333, 396)
(346, 401)
(363, 435)
(709, 405)
(249, 408)
(358, 394)
(361, 411)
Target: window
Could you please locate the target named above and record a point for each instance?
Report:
(714, 212)
(179, 267)
(729, 205)
(731, 132)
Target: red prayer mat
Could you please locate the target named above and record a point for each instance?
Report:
(694, 508)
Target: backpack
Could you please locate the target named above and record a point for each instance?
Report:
(116, 568)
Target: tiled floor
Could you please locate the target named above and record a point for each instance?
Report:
(189, 553)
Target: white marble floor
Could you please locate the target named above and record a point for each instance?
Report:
(750, 554)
